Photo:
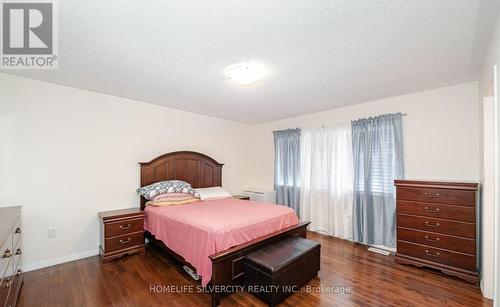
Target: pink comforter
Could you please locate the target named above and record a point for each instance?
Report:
(200, 229)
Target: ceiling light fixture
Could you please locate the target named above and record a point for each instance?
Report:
(244, 73)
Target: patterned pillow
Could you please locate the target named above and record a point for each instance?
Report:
(169, 186)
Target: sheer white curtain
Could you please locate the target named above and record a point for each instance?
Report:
(327, 180)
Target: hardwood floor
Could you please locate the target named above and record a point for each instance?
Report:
(373, 280)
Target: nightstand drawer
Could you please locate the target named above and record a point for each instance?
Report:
(124, 241)
(123, 227)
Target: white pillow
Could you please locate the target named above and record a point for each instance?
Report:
(215, 192)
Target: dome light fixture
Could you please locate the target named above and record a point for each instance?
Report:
(244, 73)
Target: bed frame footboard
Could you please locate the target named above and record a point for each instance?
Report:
(227, 266)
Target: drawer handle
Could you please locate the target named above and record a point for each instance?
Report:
(428, 195)
(125, 241)
(431, 254)
(125, 227)
(431, 240)
(18, 230)
(431, 225)
(18, 251)
(7, 283)
(7, 253)
(431, 210)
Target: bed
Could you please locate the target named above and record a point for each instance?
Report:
(222, 242)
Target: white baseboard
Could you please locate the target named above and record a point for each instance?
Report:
(55, 261)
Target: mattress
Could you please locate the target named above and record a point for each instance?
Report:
(198, 230)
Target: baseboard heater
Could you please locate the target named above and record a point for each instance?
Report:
(260, 195)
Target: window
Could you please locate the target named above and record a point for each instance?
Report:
(380, 180)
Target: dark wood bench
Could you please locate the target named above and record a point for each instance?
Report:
(279, 269)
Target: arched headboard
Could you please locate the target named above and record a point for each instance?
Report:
(199, 170)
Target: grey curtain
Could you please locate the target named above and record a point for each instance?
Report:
(287, 167)
(378, 159)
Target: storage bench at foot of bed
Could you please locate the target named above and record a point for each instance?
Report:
(279, 269)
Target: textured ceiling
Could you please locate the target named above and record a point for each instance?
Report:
(321, 54)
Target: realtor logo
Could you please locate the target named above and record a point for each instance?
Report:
(29, 35)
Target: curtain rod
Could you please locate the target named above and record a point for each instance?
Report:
(339, 123)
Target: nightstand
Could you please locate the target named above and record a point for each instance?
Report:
(242, 197)
(122, 233)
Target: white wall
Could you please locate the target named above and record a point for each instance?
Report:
(66, 154)
(441, 133)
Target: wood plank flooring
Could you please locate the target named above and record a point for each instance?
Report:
(365, 278)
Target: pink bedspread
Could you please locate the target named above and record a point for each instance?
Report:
(200, 229)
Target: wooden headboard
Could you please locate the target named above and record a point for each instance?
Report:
(199, 170)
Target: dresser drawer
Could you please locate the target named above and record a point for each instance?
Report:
(6, 255)
(16, 259)
(443, 196)
(124, 241)
(450, 212)
(462, 261)
(16, 233)
(123, 227)
(6, 277)
(11, 283)
(461, 229)
(12, 298)
(467, 246)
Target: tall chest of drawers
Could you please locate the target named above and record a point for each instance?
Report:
(436, 226)
(10, 255)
